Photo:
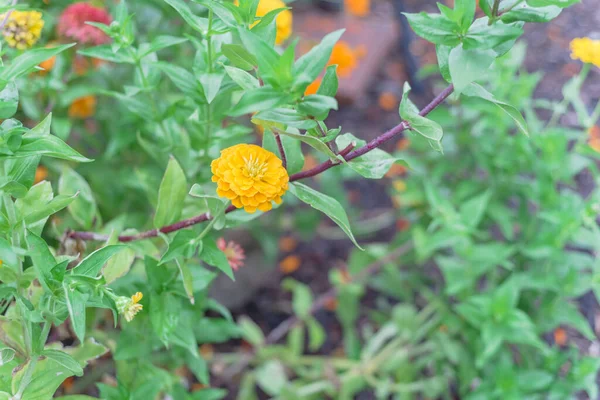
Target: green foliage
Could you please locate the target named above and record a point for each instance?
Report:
(496, 214)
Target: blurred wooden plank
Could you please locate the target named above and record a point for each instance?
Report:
(372, 37)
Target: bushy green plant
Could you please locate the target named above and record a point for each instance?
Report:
(169, 83)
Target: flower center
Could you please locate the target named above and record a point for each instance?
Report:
(255, 168)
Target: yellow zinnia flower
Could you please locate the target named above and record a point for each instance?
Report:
(23, 28)
(586, 50)
(283, 20)
(250, 176)
(129, 307)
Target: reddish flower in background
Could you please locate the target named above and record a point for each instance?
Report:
(233, 251)
(72, 24)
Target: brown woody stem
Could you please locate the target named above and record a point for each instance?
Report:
(349, 153)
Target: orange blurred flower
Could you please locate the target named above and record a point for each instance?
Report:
(388, 101)
(309, 162)
(396, 170)
(290, 264)
(358, 8)
(345, 57)
(560, 336)
(47, 65)
(287, 244)
(402, 224)
(313, 87)
(403, 144)
(594, 138)
(83, 107)
(81, 64)
(40, 174)
(331, 304)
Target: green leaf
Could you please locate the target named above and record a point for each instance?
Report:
(105, 52)
(271, 377)
(317, 105)
(251, 332)
(262, 98)
(316, 334)
(118, 265)
(329, 83)
(64, 359)
(465, 12)
(46, 378)
(225, 14)
(476, 90)
(535, 380)
(282, 118)
(9, 100)
(42, 259)
(483, 36)
(171, 195)
(435, 28)
(374, 164)
(328, 205)
(83, 209)
(312, 141)
(308, 67)
(526, 13)
(161, 42)
(472, 210)
(466, 66)
(423, 126)
(212, 255)
(242, 78)
(43, 211)
(6, 355)
(292, 148)
(26, 61)
(239, 56)
(558, 3)
(49, 146)
(164, 315)
(76, 302)
(187, 278)
(211, 84)
(443, 54)
(92, 264)
(197, 23)
(266, 56)
(184, 244)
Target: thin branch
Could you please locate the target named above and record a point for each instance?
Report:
(7, 15)
(281, 149)
(350, 155)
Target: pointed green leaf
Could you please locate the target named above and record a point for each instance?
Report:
(328, 205)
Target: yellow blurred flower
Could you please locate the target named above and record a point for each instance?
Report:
(129, 307)
(399, 185)
(283, 20)
(586, 50)
(83, 107)
(23, 28)
(250, 176)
